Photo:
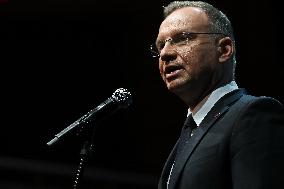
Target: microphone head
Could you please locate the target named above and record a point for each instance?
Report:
(122, 97)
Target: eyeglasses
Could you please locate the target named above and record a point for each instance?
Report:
(182, 39)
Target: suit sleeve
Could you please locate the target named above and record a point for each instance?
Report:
(257, 146)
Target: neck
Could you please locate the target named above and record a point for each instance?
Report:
(196, 100)
(199, 105)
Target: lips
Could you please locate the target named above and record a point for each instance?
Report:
(172, 71)
(172, 68)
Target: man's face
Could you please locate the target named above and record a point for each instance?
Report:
(187, 66)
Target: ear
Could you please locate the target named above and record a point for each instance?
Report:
(226, 49)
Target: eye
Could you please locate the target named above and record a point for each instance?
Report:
(183, 38)
(187, 36)
(161, 46)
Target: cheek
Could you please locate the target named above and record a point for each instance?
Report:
(190, 53)
(197, 57)
(161, 67)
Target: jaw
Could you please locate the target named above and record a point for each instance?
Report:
(176, 81)
(188, 89)
(175, 85)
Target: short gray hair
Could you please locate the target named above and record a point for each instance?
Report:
(219, 22)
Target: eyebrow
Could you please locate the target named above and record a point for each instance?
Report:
(175, 34)
(172, 35)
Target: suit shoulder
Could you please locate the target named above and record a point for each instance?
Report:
(252, 106)
(260, 101)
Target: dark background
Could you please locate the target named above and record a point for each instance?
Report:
(61, 58)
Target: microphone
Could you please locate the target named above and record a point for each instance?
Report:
(120, 99)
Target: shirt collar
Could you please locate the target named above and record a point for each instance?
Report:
(211, 101)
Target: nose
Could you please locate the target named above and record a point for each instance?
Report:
(168, 53)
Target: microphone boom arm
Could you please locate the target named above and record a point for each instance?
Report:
(121, 98)
(84, 119)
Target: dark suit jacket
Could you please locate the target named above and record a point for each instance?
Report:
(239, 144)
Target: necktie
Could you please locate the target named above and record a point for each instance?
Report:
(188, 129)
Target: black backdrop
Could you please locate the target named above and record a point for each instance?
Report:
(59, 59)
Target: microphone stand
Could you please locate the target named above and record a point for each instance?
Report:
(86, 148)
(121, 98)
(85, 153)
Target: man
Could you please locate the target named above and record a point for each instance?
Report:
(238, 142)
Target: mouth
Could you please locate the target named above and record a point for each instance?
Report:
(172, 71)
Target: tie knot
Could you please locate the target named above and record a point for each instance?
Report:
(189, 122)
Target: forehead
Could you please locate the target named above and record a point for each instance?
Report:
(184, 19)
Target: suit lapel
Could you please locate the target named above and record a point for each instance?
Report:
(213, 115)
(167, 167)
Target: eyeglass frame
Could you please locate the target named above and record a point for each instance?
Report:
(156, 53)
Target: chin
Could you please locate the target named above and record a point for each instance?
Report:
(175, 85)
(180, 86)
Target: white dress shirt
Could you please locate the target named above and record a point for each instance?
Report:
(212, 99)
